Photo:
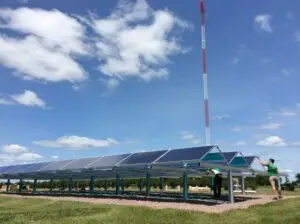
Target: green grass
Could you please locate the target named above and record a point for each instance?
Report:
(36, 211)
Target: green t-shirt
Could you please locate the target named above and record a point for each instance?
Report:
(272, 169)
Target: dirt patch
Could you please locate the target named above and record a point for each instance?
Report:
(262, 199)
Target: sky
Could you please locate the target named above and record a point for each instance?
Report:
(107, 77)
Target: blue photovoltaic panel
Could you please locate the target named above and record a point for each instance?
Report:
(215, 157)
(4, 168)
(143, 157)
(186, 154)
(80, 163)
(17, 169)
(249, 159)
(108, 161)
(35, 167)
(55, 165)
(229, 155)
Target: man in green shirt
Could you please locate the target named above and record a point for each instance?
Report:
(273, 176)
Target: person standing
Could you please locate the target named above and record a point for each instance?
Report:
(273, 174)
(217, 181)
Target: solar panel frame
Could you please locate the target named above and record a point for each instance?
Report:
(229, 156)
(143, 157)
(185, 154)
(80, 163)
(107, 161)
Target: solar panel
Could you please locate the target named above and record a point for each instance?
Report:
(185, 154)
(108, 161)
(249, 159)
(214, 158)
(55, 165)
(229, 155)
(80, 163)
(239, 162)
(17, 168)
(143, 157)
(35, 167)
(4, 168)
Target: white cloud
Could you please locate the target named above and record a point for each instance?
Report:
(237, 129)
(136, 41)
(264, 22)
(14, 149)
(241, 143)
(46, 51)
(272, 141)
(221, 117)
(23, 1)
(288, 113)
(235, 61)
(286, 72)
(54, 157)
(298, 105)
(290, 15)
(296, 144)
(190, 138)
(29, 98)
(112, 83)
(76, 142)
(14, 153)
(271, 126)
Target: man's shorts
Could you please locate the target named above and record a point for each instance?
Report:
(275, 183)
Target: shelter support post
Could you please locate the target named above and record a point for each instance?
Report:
(92, 182)
(123, 185)
(117, 184)
(51, 185)
(20, 186)
(212, 184)
(7, 185)
(140, 186)
(230, 187)
(243, 185)
(148, 184)
(70, 184)
(105, 185)
(161, 184)
(34, 185)
(185, 186)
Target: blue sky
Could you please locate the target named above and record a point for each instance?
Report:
(104, 77)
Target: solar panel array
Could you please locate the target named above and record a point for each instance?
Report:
(127, 163)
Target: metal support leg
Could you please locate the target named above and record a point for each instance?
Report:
(92, 183)
(230, 187)
(20, 186)
(212, 184)
(140, 186)
(117, 184)
(148, 184)
(185, 186)
(243, 185)
(161, 184)
(123, 185)
(34, 185)
(70, 184)
(105, 185)
(51, 185)
(7, 185)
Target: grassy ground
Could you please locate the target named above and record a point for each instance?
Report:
(36, 211)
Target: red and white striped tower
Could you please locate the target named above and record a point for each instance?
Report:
(205, 86)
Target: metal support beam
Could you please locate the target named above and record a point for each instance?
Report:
(122, 185)
(161, 184)
(243, 185)
(212, 184)
(34, 185)
(70, 184)
(230, 187)
(51, 185)
(92, 183)
(7, 185)
(140, 186)
(185, 186)
(117, 184)
(20, 186)
(148, 184)
(105, 185)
